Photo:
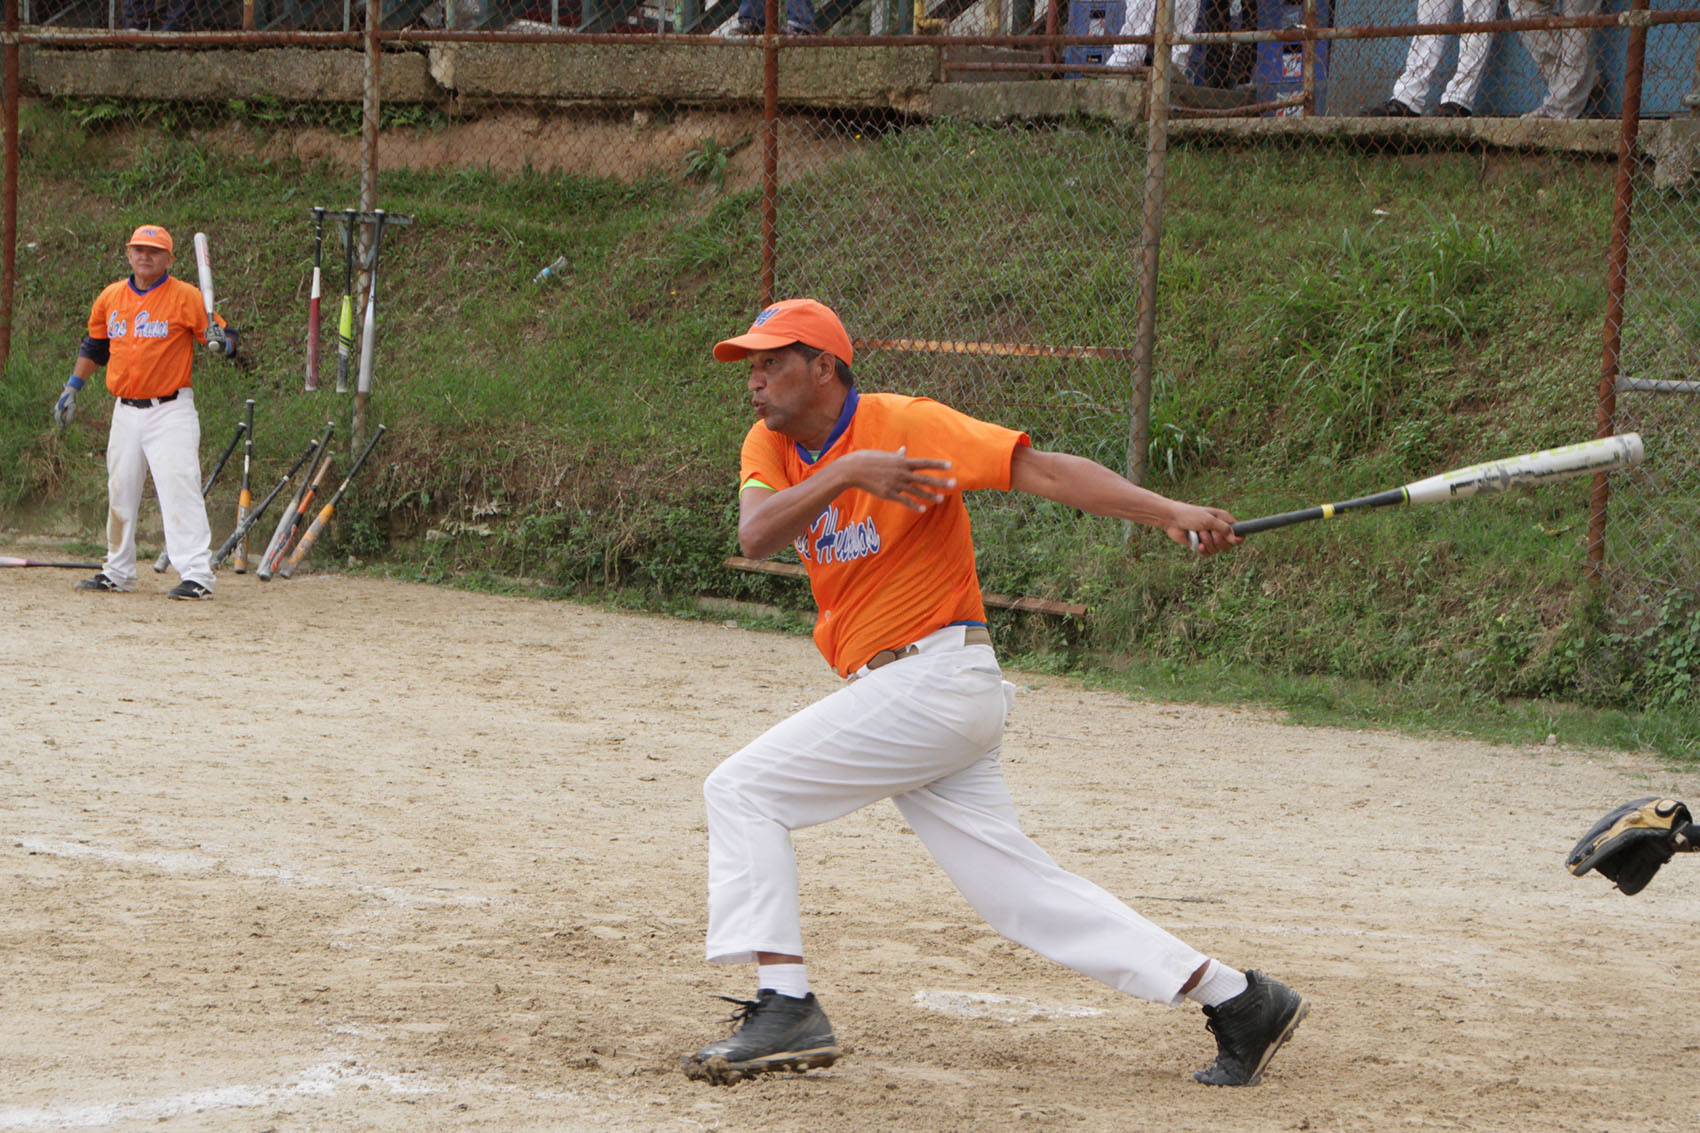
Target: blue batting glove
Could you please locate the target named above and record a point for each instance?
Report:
(66, 407)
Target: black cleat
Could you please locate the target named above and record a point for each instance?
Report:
(1249, 1029)
(1454, 110)
(775, 1032)
(100, 583)
(187, 591)
(1392, 108)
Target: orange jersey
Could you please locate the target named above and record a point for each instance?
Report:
(151, 335)
(882, 574)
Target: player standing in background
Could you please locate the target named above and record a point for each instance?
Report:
(869, 489)
(143, 330)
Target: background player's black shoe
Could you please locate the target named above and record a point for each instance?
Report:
(776, 1032)
(189, 591)
(1249, 1029)
(99, 583)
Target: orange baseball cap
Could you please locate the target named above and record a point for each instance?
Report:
(786, 322)
(151, 236)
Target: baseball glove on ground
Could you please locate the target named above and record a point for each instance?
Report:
(1631, 842)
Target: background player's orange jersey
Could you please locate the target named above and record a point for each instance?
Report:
(882, 574)
(151, 334)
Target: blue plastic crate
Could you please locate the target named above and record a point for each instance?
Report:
(1280, 66)
(1105, 17)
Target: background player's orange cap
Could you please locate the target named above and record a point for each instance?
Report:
(151, 236)
(788, 321)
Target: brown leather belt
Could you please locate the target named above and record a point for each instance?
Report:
(973, 635)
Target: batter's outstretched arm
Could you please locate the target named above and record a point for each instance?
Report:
(768, 520)
(1089, 486)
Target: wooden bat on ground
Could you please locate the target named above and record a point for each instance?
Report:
(313, 301)
(345, 316)
(254, 516)
(245, 499)
(1602, 455)
(312, 534)
(295, 521)
(159, 564)
(12, 561)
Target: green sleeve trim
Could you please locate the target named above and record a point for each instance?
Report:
(753, 482)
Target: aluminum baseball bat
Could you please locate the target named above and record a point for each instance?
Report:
(1602, 455)
(369, 328)
(12, 561)
(311, 535)
(254, 515)
(313, 300)
(245, 499)
(159, 564)
(345, 316)
(286, 519)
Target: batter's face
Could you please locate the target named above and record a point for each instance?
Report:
(149, 263)
(785, 392)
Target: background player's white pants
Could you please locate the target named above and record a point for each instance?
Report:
(1140, 13)
(1423, 58)
(1565, 59)
(925, 732)
(164, 440)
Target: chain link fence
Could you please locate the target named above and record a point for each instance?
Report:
(1344, 202)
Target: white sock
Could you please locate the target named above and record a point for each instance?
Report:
(1220, 984)
(786, 979)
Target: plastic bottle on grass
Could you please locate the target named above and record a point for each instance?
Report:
(552, 271)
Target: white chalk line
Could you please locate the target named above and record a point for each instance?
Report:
(323, 1080)
(989, 1005)
(189, 861)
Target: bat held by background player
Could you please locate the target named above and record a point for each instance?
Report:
(1604, 454)
(216, 340)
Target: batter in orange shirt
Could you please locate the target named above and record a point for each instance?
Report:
(868, 488)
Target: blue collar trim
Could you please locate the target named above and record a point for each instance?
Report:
(156, 283)
(851, 400)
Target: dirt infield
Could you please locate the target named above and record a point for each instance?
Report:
(339, 853)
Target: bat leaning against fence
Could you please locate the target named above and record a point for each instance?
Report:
(345, 314)
(294, 521)
(319, 521)
(1601, 455)
(313, 300)
(254, 515)
(159, 564)
(245, 499)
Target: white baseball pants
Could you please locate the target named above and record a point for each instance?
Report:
(1423, 58)
(925, 732)
(1139, 20)
(164, 440)
(1565, 59)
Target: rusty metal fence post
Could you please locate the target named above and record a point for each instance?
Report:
(9, 208)
(1150, 244)
(1617, 269)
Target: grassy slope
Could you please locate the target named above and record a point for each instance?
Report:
(1368, 319)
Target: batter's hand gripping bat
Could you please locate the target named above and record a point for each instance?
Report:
(245, 499)
(345, 316)
(313, 301)
(243, 528)
(11, 561)
(319, 521)
(1602, 455)
(294, 521)
(203, 269)
(159, 564)
(286, 520)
